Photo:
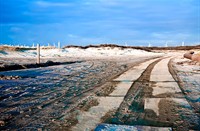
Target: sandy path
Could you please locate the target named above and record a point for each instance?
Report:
(89, 120)
(134, 73)
(165, 83)
(155, 101)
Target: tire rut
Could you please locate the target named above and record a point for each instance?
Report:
(134, 109)
(130, 110)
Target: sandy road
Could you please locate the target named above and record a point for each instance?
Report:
(153, 101)
(89, 119)
(146, 97)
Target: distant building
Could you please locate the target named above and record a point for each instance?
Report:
(59, 46)
(166, 44)
(183, 44)
(149, 45)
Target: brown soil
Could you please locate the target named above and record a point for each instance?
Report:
(11, 48)
(106, 89)
(108, 115)
(87, 104)
(170, 117)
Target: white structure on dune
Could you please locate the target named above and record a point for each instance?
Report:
(166, 44)
(126, 44)
(183, 44)
(38, 53)
(59, 45)
(149, 44)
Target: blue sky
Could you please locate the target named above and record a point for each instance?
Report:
(83, 22)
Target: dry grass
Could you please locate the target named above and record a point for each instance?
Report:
(11, 48)
(149, 49)
(109, 45)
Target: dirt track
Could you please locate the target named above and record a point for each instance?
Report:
(152, 94)
(156, 100)
(43, 97)
(151, 99)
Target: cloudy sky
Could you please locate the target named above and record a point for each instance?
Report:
(83, 22)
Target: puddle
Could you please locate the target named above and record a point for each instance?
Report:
(112, 127)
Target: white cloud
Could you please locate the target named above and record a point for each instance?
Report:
(16, 29)
(72, 36)
(52, 4)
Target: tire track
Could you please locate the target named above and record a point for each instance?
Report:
(43, 113)
(136, 93)
(168, 108)
(35, 109)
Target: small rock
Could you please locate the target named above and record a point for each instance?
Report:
(17, 77)
(27, 115)
(39, 129)
(39, 107)
(2, 123)
(53, 120)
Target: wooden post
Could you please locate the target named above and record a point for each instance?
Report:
(38, 53)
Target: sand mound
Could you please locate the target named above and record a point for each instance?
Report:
(9, 48)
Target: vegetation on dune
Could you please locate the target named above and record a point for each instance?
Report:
(149, 49)
(136, 47)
